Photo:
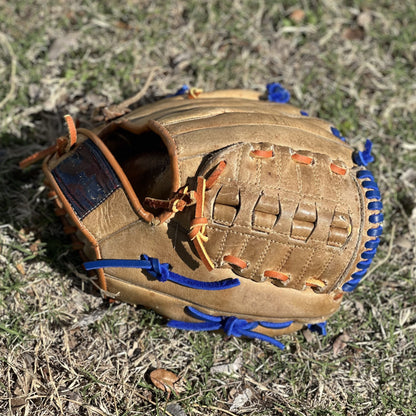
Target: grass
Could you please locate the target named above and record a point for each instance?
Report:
(65, 351)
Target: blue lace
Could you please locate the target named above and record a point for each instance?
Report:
(182, 90)
(277, 94)
(320, 328)
(162, 272)
(372, 192)
(365, 157)
(337, 133)
(229, 324)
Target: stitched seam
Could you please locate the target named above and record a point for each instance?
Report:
(261, 238)
(299, 178)
(285, 258)
(326, 264)
(220, 252)
(244, 246)
(297, 200)
(282, 125)
(280, 189)
(237, 168)
(307, 264)
(261, 260)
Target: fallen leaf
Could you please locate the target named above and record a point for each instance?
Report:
(309, 336)
(340, 343)
(241, 399)
(353, 33)
(21, 268)
(165, 380)
(175, 409)
(18, 401)
(297, 16)
(231, 368)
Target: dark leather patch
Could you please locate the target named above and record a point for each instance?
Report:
(86, 178)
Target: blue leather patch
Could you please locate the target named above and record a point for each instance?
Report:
(86, 178)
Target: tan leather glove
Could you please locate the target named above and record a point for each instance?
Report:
(224, 211)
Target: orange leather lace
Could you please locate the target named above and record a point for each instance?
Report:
(197, 232)
(62, 145)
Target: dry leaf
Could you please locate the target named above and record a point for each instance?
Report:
(241, 399)
(165, 380)
(175, 409)
(297, 16)
(228, 368)
(340, 343)
(404, 316)
(18, 401)
(21, 268)
(353, 33)
(309, 336)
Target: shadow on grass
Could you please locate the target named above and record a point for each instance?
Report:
(24, 201)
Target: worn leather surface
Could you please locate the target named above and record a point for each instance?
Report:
(295, 208)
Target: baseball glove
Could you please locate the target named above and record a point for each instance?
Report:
(226, 210)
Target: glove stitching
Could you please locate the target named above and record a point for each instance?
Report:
(220, 252)
(260, 260)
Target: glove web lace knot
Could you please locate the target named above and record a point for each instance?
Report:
(231, 325)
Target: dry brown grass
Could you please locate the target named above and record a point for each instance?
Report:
(62, 349)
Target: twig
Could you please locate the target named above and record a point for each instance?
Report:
(141, 93)
(118, 110)
(12, 79)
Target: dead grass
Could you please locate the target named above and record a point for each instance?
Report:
(62, 349)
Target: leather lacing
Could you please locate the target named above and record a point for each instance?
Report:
(178, 202)
(336, 167)
(197, 232)
(63, 144)
(184, 198)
